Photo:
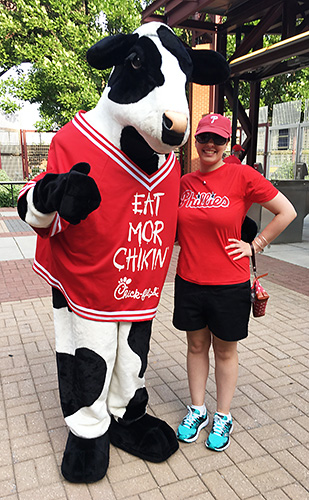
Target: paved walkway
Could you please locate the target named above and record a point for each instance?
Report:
(269, 453)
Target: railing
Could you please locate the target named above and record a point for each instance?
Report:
(9, 186)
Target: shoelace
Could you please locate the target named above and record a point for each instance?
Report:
(189, 419)
(219, 425)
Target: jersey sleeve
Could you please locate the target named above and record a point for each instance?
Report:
(258, 189)
(53, 222)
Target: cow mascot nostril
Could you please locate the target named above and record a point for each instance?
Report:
(167, 122)
(174, 126)
(105, 214)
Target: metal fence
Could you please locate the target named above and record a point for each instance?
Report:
(23, 153)
(281, 145)
(284, 144)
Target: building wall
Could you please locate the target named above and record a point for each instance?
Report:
(201, 103)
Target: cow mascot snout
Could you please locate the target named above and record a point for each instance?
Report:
(105, 214)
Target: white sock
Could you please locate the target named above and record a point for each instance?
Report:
(201, 409)
(228, 415)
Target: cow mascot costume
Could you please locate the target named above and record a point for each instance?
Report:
(105, 215)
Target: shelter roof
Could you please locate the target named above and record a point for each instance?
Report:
(207, 18)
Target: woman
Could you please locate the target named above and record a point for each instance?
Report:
(212, 287)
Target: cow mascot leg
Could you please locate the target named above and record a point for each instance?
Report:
(86, 353)
(101, 370)
(106, 212)
(132, 429)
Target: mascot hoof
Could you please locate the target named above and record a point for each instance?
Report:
(148, 438)
(85, 460)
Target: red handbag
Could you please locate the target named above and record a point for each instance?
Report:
(259, 296)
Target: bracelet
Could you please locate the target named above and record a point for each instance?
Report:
(258, 243)
(263, 237)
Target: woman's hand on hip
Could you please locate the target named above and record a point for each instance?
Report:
(239, 248)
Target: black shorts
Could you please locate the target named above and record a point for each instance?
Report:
(225, 309)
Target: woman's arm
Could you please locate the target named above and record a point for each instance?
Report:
(284, 214)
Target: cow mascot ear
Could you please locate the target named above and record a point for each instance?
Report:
(110, 51)
(209, 67)
(205, 67)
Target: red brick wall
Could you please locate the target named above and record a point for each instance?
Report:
(201, 103)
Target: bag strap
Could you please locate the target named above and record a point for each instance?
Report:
(254, 264)
(253, 259)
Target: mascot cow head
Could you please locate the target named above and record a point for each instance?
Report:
(143, 109)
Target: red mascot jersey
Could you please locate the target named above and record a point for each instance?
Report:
(111, 266)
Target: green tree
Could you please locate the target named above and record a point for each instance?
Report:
(54, 35)
(282, 88)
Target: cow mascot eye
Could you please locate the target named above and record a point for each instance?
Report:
(135, 61)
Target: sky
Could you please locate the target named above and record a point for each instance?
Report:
(27, 116)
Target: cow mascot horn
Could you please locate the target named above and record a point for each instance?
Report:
(105, 214)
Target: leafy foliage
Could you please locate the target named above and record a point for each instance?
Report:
(54, 35)
(282, 88)
(284, 171)
(5, 191)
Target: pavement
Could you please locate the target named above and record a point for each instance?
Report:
(269, 453)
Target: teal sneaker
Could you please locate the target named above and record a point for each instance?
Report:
(219, 437)
(191, 425)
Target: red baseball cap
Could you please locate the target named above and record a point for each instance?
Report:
(215, 123)
(237, 147)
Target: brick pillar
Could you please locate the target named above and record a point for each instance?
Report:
(201, 102)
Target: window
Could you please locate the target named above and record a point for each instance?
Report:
(283, 139)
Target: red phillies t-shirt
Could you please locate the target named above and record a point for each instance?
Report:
(212, 208)
(111, 266)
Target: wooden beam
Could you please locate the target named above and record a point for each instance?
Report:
(282, 68)
(242, 115)
(254, 120)
(283, 50)
(304, 25)
(155, 17)
(289, 18)
(203, 26)
(219, 89)
(178, 11)
(149, 11)
(257, 32)
(249, 11)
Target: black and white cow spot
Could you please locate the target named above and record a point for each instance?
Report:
(81, 379)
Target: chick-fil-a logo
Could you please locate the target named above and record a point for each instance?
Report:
(122, 291)
(189, 199)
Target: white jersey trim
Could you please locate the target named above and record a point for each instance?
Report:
(26, 188)
(93, 314)
(149, 182)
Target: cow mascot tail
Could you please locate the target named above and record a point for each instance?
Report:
(105, 214)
